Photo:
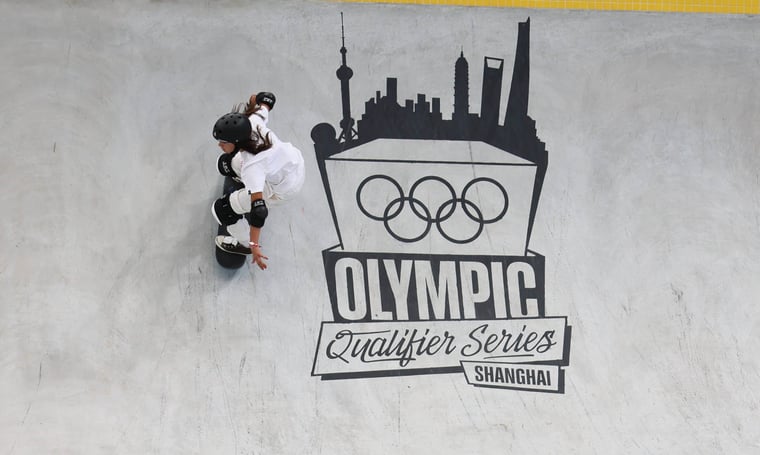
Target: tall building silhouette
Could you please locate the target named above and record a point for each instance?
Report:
(461, 89)
(490, 101)
(517, 104)
(344, 74)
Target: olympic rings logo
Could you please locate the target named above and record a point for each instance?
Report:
(443, 213)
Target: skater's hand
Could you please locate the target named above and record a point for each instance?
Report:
(262, 99)
(258, 257)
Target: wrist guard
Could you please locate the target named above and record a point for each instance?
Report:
(266, 98)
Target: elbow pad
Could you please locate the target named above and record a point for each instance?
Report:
(258, 213)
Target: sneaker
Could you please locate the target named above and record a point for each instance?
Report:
(231, 245)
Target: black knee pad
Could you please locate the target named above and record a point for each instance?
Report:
(223, 212)
(258, 213)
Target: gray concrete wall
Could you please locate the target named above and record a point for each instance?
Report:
(119, 333)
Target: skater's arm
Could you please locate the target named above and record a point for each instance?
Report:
(258, 256)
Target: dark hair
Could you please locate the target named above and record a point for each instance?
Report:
(257, 143)
(247, 108)
(251, 109)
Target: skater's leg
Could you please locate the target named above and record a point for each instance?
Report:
(229, 211)
(241, 231)
(286, 190)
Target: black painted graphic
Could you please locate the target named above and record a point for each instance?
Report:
(432, 272)
(422, 212)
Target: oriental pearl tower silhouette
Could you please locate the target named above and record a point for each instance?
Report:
(345, 73)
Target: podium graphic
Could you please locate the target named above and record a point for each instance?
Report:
(433, 272)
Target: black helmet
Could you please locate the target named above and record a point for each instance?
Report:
(232, 127)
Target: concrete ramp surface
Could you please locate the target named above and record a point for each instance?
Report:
(522, 231)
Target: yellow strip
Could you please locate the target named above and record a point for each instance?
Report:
(682, 6)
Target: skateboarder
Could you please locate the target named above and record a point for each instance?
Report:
(270, 171)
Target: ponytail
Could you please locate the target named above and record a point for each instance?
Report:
(258, 142)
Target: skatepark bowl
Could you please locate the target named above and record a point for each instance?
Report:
(527, 227)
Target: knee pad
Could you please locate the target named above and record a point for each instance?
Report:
(223, 211)
(240, 201)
